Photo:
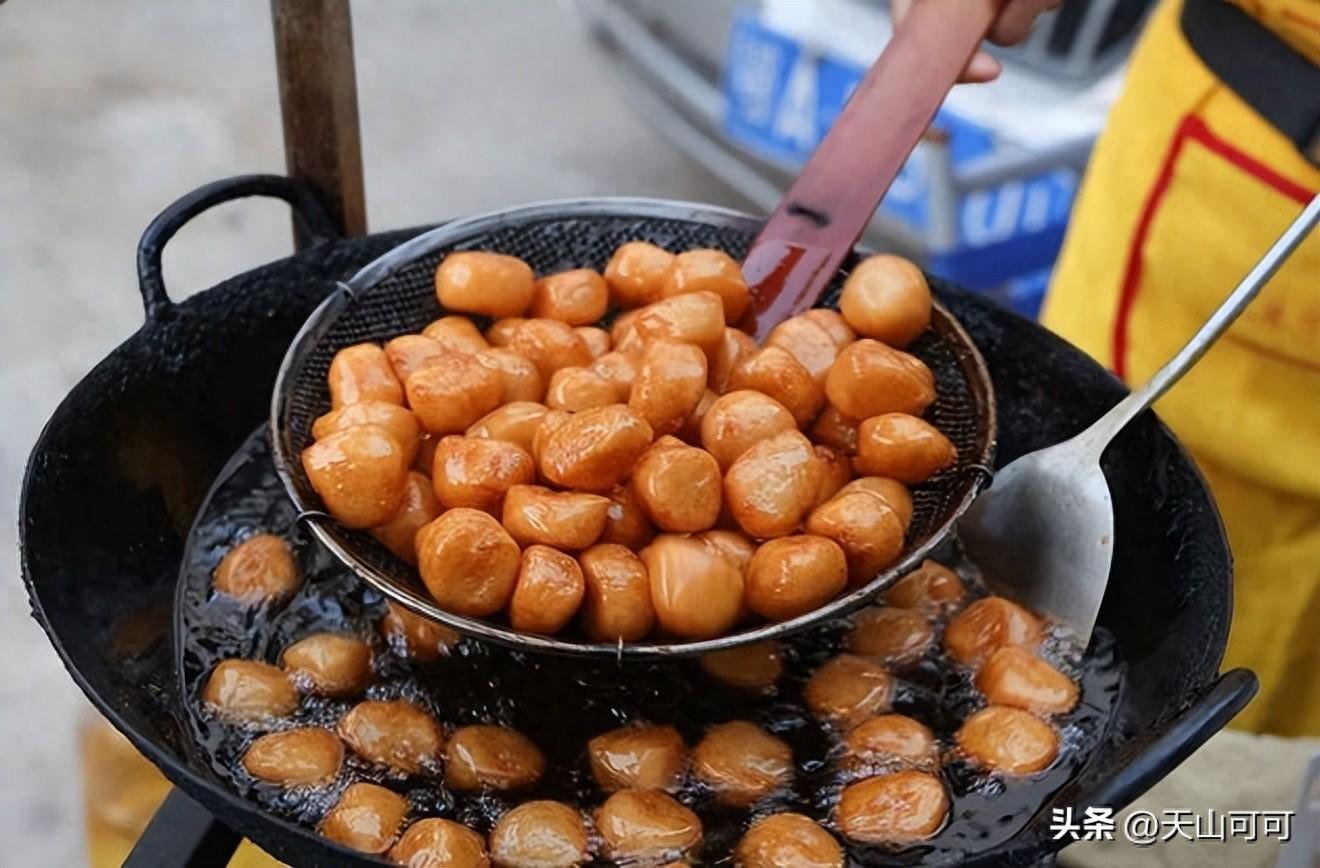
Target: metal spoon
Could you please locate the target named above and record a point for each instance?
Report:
(1044, 531)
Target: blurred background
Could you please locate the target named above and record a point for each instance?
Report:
(111, 109)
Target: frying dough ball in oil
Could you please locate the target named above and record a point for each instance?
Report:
(477, 472)
(714, 271)
(437, 843)
(456, 333)
(420, 640)
(569, 520)
(697, 592)
(1016, 677)
(449, 396)
(773, 371)
(399, 421)
(488, 757)
(869, 379)
(678, 487)
(894, 637)
(362, 372)
(787, 841)
(646, 827)
(671, 378)
(847, 689)
(638, 756)
(742, 763)
(636, 273)
(360, 474)
(540, 834)
(902, 447)
(772, 487)
(988, 624)
(259, 569)
(617, 603)
(738, 421)
(548, 593)
(366, 818)
(577, 297)
(329, 664)
(515, 422)
(477, 281)
(931, 587)
(899, 808)
(887, 298)
(753, 666)
(595, 449)
(394, 733)
(419, 509)
(306, 757)
(246, 690)
(468, 562)
(889, 740)
(1008, 740)
(794, 575)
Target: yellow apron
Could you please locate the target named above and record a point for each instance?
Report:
(1185, 190)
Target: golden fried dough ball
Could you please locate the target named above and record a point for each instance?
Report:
(735, 345)
(306, 757)
(678, 487)
(399, 421)
(808, 342)
(457, 333)
(501, 331)
(366, 818)
(870, 378)
(787, 841)
(437, 843)
(487, 757)
(410, 353)
(697, 592)
(772, 486)
(899, 808)
(468, 561)
(1008, 740)
(549, 423)
(794, 575)
(733, 544)
(887, 741)
(868, 530)
(540, 834)
(619, 370)
(754, 666)
(329, 664)
(515, 422)
(835, 472)
(739, 420)
(477, 472)
(477, 281)
(519, 378)
(564, 519)
(577, 389)
(259, 569)
(625, 522)
(774, 371)
(416, 637)
(988, 624)
(617, 604)
(931, 587)
(835, 430)
(246, 690)
(577, 297)
(834, 325)
(890, 491)
(394, 733)
(636, 273)
(419, 509)
(709, 271)
(595, 449)
(361, 474)
(1016, 677)
(691, 431)
(742, 763)
(671, 378)
(887, 298)
(548, 593)
(693, 318)
(450, 396)
(638, 756)
(902, 447)
(598, 340)
(895, 637)
(847, 689)
(550, 345)
(646, 827)
(362, 372)
(623, 333)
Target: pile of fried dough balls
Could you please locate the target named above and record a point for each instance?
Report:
(665, 476)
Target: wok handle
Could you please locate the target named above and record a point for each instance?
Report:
(183, 834)
(307, 209)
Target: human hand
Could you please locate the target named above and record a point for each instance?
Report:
(1011, 27)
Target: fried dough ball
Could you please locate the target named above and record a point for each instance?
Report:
(671, 378)
(864, 526)
(329, 664)
(306, 757)
(455, 333)
(646, 827)
(501, 331)
(550, 423)
(637, 272)
(419, 639)
(362, 372)
(540, 834)
(835, 472)
(550, 345)
(738, 421)
(709, 271)
(246, 690)
(834, 325)
(807, 342)
(519, 377)
(259, 569)
(835, 430)
(678, 487)
(617, 604)
(902, 447)
(548, 593)
(477, 472)
(449, 396)
(931, 587)
(360, 473)
(626, 523)
(697, 591)
(787, 841)
(468, 561)
(734, 346)
(692, 318)
(1016, 677)
(619, 370)
(742, 763)
(516, 422)
(623, 334)
(848, 689)
(870, 379)
(774, 371)
(595, 449)
(394, 733)
(772, 486)
(890, 491)
(899, 808)
(437, 843)
(366, 818)
(887, 741)
(577, 389)
(988, 624)
(638, 756)
(794, 575)
(399, 421)
(690, 433)
(477, 281)
(597, 340)
(732, 544)
(419, 509)
(577, 297)
(1008, 740)
(895, 637)
(564, 519)
(754, 666)
(486, 757)
(887, 298)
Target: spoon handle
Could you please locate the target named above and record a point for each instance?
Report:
(1098, 436)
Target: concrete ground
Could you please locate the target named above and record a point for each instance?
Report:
(108, 110)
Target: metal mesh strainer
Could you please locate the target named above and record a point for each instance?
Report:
(395, 295)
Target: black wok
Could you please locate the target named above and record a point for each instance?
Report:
(117, 475)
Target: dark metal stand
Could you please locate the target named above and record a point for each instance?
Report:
(183, 833)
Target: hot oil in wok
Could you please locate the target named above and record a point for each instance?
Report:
(561, 703)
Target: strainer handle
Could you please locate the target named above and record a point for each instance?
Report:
(307, 208)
